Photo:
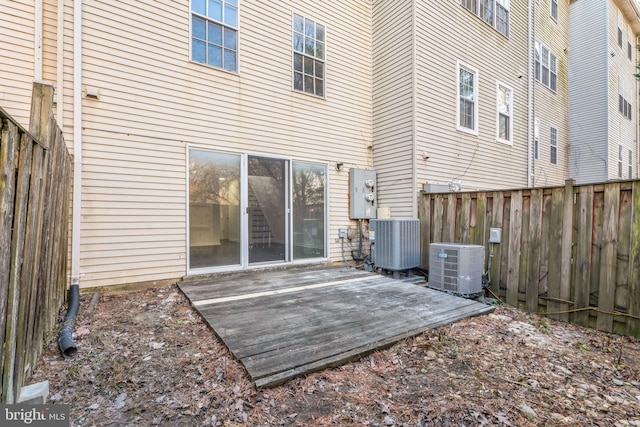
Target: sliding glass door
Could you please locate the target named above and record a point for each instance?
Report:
(248, 210)
(214, 209)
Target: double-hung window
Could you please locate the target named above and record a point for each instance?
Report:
(467, 98)
(214, 33)
(493, 12)
(308, 56)
(619, 161)
(553, 9)
(546, 67)
(505, 113)
(553, 146)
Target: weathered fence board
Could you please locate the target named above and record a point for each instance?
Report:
(571, 252)
(35, 171)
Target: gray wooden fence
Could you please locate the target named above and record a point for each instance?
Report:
(570, 252)
(35, 171)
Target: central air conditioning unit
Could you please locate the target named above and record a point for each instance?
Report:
(456, 268)
(395, 243)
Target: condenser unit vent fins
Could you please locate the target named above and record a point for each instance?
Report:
(395, 243)
(456, 268)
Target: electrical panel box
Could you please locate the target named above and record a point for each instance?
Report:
(363, 200)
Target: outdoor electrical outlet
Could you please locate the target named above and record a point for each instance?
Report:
(495, 235)
(342, 233)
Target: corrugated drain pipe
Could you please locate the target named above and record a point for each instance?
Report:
(65, 337)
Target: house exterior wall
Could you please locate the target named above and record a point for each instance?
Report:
(621, 70)
(393, 105)
(588, 90)
(551, 108)
(155, 103)
(447, 34)
(17, 57)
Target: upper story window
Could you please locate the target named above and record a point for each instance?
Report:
(493, 12)
(553, 146)
(629, 51)
(630, 164)
(467, 99)
(505, 113)
(619, 161)
(308, 56)
(214, 33)
(624, 106)
(546, 67)
(619, 36)
(553, 9)
(536, 139)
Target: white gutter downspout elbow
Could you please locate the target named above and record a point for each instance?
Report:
(37, 60)
(77, 142)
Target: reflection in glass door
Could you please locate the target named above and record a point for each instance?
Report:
(309, 236)
(267, 209)
(214, 209)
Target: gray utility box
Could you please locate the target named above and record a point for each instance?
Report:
(363, 200)
(395, 243)
(456, 268)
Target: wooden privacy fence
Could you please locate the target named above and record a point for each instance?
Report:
(571, 252)
(35, 173)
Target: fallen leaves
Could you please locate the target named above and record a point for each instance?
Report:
(146, 358)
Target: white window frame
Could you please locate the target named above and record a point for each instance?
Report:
(474, 98)
(546, 67)
(553, 145)
(315, 58)
(620, 161)
(553, 9)
(480, 8)
(508, 114)
(233, 4)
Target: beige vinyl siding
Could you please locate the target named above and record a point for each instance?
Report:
(588, 109)
(393, 114)
(17, 58)
(50, 42)
(622, 131)
(552, 108)
(448, 33)
(154, 103)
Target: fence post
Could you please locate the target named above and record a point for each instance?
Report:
(633, 324)
(566, 246)
(609, 253)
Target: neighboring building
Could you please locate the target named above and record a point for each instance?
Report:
(603, 91)
(217, 135)
(550, 103)
(450, 97)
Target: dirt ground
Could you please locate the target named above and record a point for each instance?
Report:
(147, 358)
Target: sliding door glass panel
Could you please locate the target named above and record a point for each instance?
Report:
(214, 209)
(309, 211)
(267, 189)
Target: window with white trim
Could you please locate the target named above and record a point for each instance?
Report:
(214, 33)
(546, 67)
(493, 12)
(619, 36)
(553, 9)
(553, 146)
(629, 51)
(505, 113)
(308, 56)
(619, 161)
(467, 98)
(630, 164)
(624, 106)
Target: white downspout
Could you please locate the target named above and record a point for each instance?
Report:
(59, 95)
(77, 142)
(530, 95)
(37, 42)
